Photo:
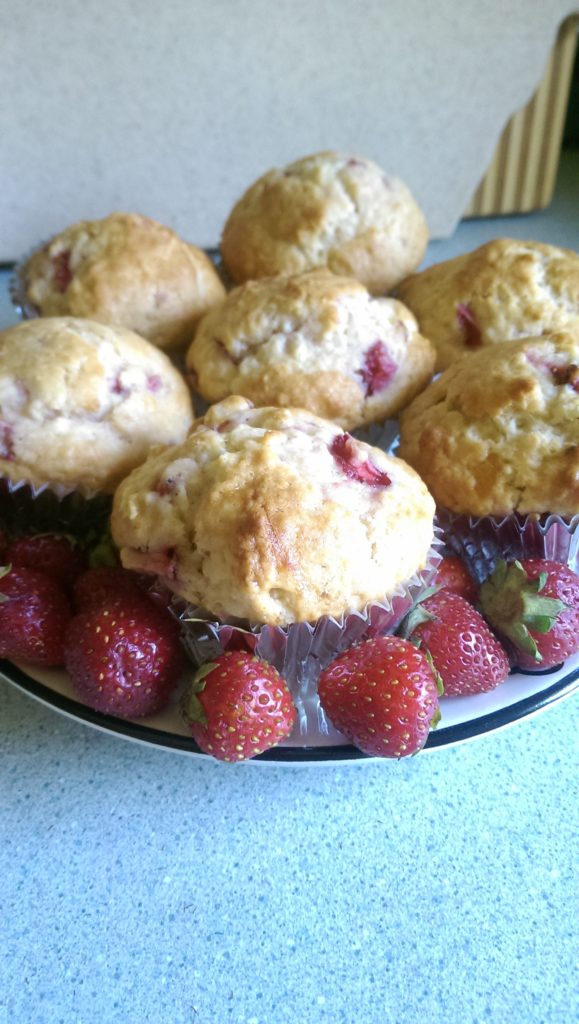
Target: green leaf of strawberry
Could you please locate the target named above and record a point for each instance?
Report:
(513, 602)
(534, 604)
(191, 707)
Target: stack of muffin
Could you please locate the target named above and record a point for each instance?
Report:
(266, 515)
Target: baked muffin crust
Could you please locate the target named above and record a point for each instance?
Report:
(81, 403)
(504, 290)
(315, 341)
(274, 516)
(127, 270)
(498, 431)
(326, 210)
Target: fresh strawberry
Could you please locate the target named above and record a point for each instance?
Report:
(106, 583)
(124, 659)
(466, 655)
(382, 695)
(34, 615)
(453, 576)
(54, 554)
(238, 706)
(534, 603)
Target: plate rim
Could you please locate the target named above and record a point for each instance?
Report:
(307, 755)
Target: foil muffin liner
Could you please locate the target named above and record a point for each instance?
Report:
(17, 287)
(482, 541)
(45, 508)
(302, 650)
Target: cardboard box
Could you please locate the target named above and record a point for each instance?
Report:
(522, 173)
(174, 109)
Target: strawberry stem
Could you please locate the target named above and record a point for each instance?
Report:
(512, 603)
(417, 614)
(191, 707)
(4, 570)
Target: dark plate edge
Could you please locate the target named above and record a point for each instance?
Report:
(296, 755)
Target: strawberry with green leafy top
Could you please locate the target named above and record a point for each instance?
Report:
(534, 604)
(382, 695)
(238, 706)
(464, 651)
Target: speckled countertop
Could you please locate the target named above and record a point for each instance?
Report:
(145, 886)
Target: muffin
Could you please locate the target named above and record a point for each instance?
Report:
(125, 270)
(314, 341)
(274, 516)
(496, 439)
(504, 290)
(81, 403)
(327, 210)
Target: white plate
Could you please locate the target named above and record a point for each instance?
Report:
(463, 718)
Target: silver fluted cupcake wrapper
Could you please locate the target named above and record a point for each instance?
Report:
(17, 287)
(384, 435)
(43, 508)
(482, 541)
(60, 491)
(301, 651)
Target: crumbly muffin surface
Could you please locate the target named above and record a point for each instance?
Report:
(498, 431)
(126, 270)
(274, 516)
(326, 210)
(315, 341)
(81, 403)
(504, 290)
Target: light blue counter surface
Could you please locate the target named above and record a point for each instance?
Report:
(143, 886)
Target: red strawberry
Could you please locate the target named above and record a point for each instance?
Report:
(238, 706)
(34, 615)
(106, 583)
(453, 576)
(382, 695)
(55, 554)
(466, 655)
(124, 659)
(534, 603)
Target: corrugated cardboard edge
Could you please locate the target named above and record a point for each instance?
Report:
(521, 176)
